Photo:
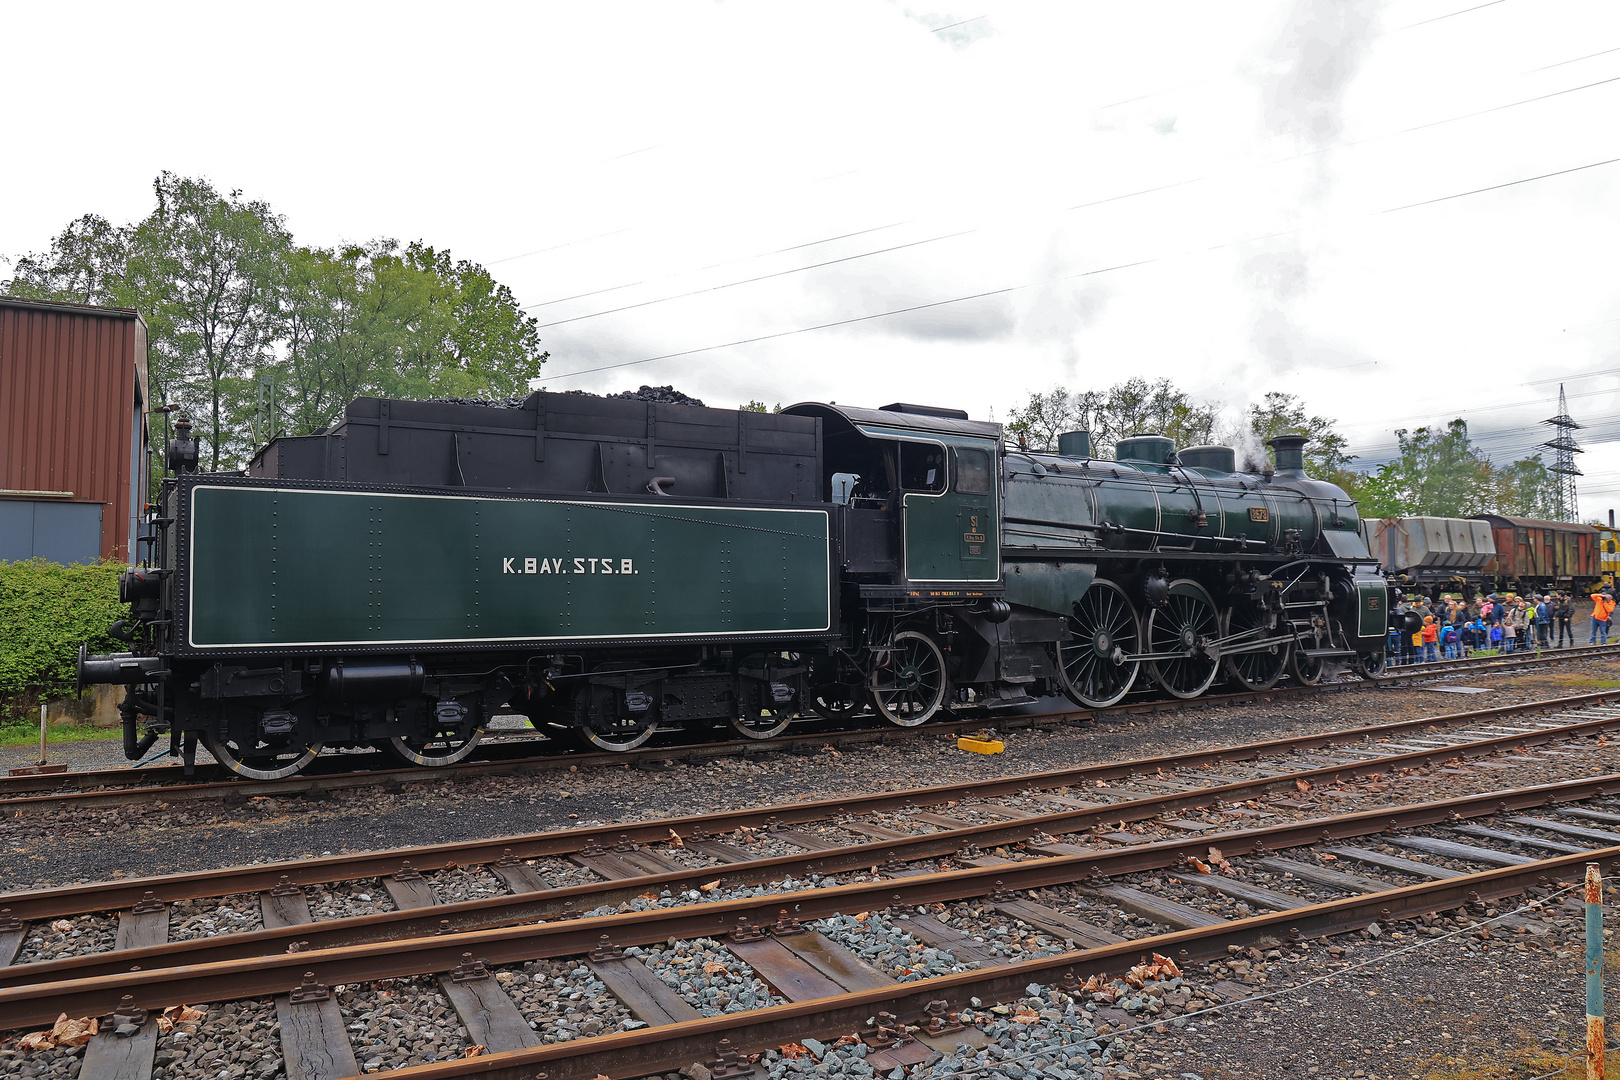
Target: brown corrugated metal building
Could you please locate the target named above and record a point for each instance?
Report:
(73, 400)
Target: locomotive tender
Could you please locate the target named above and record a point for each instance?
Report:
(608, 567)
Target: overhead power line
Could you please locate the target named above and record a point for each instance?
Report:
(789, 333)
(1078, 206)
(1015, 288)
(761, 277)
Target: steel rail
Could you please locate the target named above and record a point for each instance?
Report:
(264, 975)
(664, 1049)
(35, 904)
(425, 940)
(152, 786)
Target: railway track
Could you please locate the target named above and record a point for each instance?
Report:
(1129, 887)
(98, 788)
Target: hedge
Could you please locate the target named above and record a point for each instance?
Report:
(47, 611)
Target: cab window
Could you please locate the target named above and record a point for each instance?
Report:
(973, 476)
(922, 467)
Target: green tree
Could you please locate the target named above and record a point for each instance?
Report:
(228, 298)
(85, 265)
(206, 271)
(1437, 472)
(1039, 421)
(462, 333)
(1122, 410)
(375, 320)
(1525, 488)
(1284, 414)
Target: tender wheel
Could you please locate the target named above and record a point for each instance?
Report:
(1307, 670)
(261, 761)
(436, 751)
(1252, 670)
(760, 725)
(1370, 665)
(1091, 667)
(1184, 632)
(615, 740)
(911, 687)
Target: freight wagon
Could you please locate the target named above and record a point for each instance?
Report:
(1532, 554)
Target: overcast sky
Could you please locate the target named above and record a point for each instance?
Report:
(869, 202)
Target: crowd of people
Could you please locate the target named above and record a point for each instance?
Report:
(1452, 628)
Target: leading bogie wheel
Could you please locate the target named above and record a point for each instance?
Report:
(1183, 632)
(261, 760)
(1307, 670)
(1092, 668)
(910, 687)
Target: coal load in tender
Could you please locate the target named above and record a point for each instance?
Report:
(659, 395)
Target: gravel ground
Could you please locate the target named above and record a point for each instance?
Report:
(347, 899)
(399, 1023)
(564, 1001)
(212, 917)
(76, 936)
(884, 943)
(1473, 999)
(465, 883)
(708, 976)
(232, 1041)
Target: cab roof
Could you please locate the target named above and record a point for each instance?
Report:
(862, 420)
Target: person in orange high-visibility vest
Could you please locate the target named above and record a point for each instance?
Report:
(1602, 611)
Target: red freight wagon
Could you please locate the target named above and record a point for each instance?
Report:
(1541, 554)
(72, 430)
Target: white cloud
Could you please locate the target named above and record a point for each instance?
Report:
(644, 151)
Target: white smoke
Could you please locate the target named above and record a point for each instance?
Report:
(1314, 60)
(1304, 79)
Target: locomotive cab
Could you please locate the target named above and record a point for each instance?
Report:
(918, 487)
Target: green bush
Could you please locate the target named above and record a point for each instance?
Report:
(47, 611)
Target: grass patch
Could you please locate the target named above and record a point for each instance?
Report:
(1519, 1064)
(1565, 679)
(17, 735)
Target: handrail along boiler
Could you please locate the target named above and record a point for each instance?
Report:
(611, 567)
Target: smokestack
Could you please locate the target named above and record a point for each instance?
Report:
(1077, 444)
(1289, 451)
(1611, 519)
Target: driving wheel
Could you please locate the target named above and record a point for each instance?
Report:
(1181, 634)
(1092, 668)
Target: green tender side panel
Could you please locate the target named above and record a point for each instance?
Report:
(297, 567)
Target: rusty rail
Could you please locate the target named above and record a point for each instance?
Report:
(664, 1049)
(94, 985)
(153, 782)
(79, 899)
